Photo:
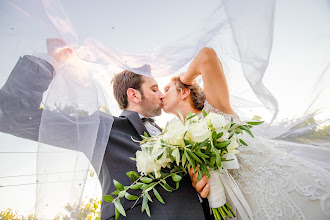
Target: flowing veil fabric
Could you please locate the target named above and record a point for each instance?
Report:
(76, 108)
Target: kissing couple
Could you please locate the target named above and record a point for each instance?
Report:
(263, 168)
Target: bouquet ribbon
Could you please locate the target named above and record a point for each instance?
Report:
(223, 181)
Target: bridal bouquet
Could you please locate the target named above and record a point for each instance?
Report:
(208, 144)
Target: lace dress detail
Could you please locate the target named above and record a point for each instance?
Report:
(209, 108)
(279, 185)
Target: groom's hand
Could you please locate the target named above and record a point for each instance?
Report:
(202, 187)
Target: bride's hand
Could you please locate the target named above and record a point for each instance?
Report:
(185, 81)
(202, 187)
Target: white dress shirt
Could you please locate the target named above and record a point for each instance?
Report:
(150, 128)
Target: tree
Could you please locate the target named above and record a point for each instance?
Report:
(10, 214)
(90, 210)
(307, 131)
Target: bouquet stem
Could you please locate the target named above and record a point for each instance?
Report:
(217, 198)
(222, 212)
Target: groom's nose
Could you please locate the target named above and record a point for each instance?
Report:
(160, 95)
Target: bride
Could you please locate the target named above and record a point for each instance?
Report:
(276, 184)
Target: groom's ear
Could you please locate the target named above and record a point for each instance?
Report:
(185, 93)
(133, 95)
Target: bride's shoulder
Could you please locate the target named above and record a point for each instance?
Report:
(210, 108)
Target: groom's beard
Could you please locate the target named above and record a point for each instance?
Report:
(150, 109)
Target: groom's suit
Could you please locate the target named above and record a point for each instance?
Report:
(31, 79)
(180, 204)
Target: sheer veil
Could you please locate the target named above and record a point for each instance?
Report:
(271, 73)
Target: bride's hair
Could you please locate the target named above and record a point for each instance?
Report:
(196, 93)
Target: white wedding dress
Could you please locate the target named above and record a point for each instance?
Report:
(277, 184)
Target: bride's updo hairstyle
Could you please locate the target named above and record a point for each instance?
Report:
(196, 93)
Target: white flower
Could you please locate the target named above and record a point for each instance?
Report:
(216, 121)
(157, 148)
(174, 123)
(164, 160)
(157, 141)
(174, 132)
(198, 132)
(232, 147)
(146, 164)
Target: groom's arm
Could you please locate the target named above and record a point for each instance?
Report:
(20, 97)
(20, 112)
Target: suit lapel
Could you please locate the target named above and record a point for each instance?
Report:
(135, 119)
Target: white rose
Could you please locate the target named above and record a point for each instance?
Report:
(217, 121)
(145, 163)
(174, 132)
(157, 148)
(174, 123)
(198, 132)
(157, 141)
(232, 147)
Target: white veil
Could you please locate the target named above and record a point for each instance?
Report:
(264, 64)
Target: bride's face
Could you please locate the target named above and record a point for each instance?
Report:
(171, 98)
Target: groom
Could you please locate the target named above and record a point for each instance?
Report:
(137, 95)
(140, 97)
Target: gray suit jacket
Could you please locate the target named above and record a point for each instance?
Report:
(180, 204)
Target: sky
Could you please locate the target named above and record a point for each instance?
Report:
(297, 74)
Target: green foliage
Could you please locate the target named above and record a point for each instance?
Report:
(9, 214)
(75, 110)
(105, 109)
(243, 142)
(223, 211)
(72, 110)
(108, 198)
(119, 207)
(146, 180)
(118, 185)
(156, 193)
(307, 131)
(145, 184)
(89, 210)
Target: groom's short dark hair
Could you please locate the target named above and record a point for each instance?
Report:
(122, 82)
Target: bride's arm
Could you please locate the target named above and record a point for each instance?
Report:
(216, 90)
